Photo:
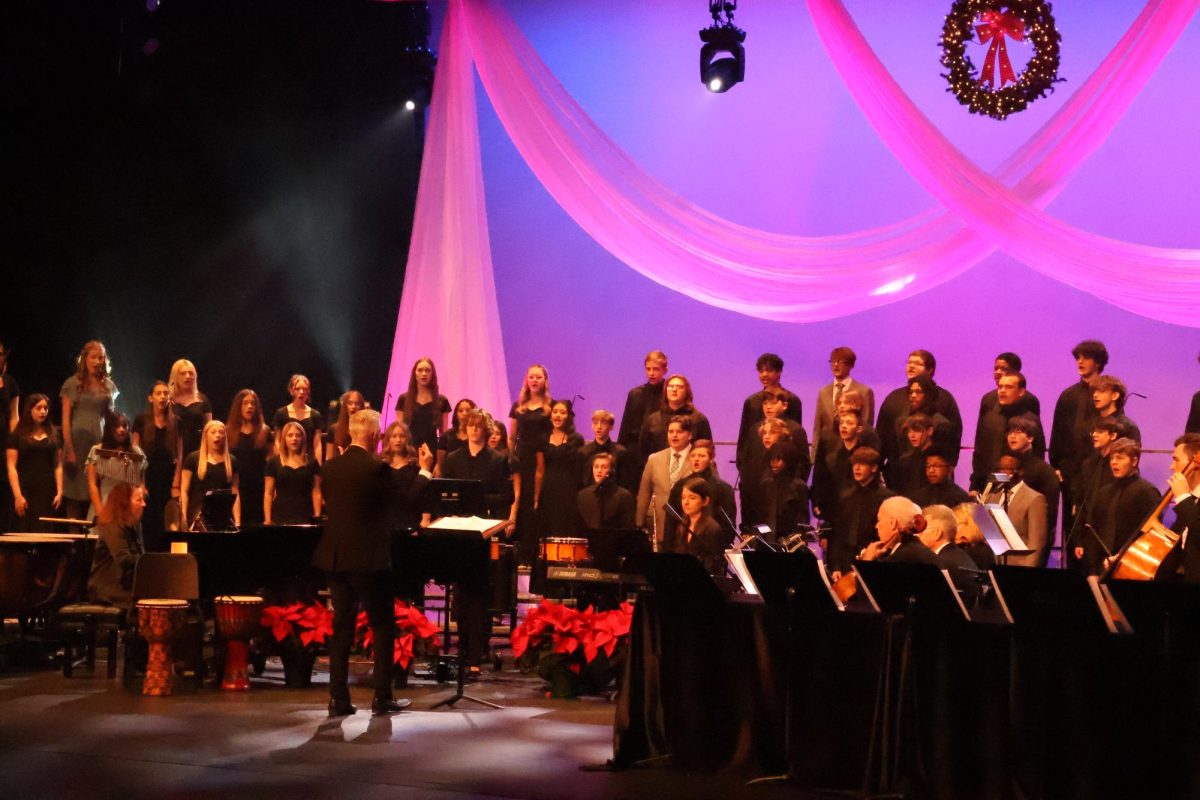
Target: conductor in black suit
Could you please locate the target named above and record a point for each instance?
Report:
(354, 553)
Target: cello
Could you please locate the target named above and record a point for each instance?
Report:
(1141, 557)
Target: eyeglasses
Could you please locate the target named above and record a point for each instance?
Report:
(839, 361)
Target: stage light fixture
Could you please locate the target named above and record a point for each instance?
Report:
(410, 105)
(722, 56)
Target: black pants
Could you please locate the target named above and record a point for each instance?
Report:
(374, 590)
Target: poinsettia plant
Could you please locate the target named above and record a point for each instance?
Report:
(305, 626)
(575, 650)
(415, 634)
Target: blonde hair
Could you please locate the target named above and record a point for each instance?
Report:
(407, 451)
(173, 381)
(285, 455)
(202, 467)
(523, 397)
(967, 529)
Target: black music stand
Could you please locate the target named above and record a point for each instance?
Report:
(920, 590)
(790, 577)
(446, 497)
(216, 511)
(678, 578)
(457, 556)
(1165, 613)
(1045, 598)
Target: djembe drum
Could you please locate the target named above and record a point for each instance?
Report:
(237, 620)
(158, 622)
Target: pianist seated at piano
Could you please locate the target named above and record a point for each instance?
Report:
(292, 487)
(116, 459)
(703, 537)
(208, 469)
(118, 546)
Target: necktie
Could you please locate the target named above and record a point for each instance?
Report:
(676, 463)
(837, 394)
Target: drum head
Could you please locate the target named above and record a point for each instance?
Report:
(159, 603)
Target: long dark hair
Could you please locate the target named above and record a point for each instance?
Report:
(26, 427)
(113, 420)
(233, 428)
(408, 401)
(149, 432)
(340, 435)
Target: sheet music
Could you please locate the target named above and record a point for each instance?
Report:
(737, 560)
(478, 524)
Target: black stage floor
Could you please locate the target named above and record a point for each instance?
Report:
(86, 737)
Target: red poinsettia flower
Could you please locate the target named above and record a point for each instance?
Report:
(317, 623)
(402, 650)
(277, 621)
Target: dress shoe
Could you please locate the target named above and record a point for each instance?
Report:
(337, 709)
(388, 705)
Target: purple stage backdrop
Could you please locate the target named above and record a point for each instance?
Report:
(789, 151)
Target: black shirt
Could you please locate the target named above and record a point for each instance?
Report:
(488, 467)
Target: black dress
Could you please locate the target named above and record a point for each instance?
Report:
(450, 442)
(560, 487)
(214, 478)
(192, 419)
(35, 472)
(252, 467)
(425, 418)
(293, 492)
(405, 487)
(532, 429)
(160, 475)
(313, 424)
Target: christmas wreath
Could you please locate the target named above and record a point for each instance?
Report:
(993, 23)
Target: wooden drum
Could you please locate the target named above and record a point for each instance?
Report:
(563, 550)
(158, 622)
(237, 621)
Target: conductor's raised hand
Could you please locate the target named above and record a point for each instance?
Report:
(425, 457)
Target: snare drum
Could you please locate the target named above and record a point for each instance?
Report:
(158, 622)
(237, 620)
(563, 550)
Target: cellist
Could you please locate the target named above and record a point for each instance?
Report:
(1185, 491)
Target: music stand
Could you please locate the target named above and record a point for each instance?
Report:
(446, 497)
(1164, 612)
(1034, 597)
(216, 511)
(678, 578)
(776, 573)
(462, 556)
(998, 530)
(920, 590)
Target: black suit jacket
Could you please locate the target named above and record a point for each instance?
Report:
(355, 538)
(962, 569)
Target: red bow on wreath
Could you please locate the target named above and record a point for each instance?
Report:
(994, 27)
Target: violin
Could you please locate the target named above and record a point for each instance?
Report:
(1141, 557)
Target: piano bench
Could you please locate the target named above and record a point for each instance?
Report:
(79, 623)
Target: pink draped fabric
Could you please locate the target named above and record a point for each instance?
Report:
(1161, 283)
(794, 278)
(448, 307)
(449, 304)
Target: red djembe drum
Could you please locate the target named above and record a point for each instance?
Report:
(158, 622)
(237, 620)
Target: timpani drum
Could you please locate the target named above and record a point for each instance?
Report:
(158, 622)
(563, 550)
(237, 620)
